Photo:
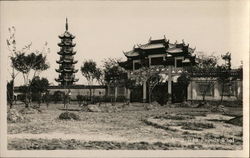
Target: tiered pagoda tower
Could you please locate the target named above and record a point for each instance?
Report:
(66, 62)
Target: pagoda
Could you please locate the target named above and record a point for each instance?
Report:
(66, 62)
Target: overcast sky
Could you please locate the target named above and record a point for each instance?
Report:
(106, 28)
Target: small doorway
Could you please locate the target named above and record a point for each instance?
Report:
(136, 94)
(179, 92)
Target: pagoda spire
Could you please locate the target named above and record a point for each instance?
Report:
(66, 25)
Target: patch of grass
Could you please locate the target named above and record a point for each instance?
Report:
(238, 121)
(158, 126)
(240, 134)
(174, 117)
(186, 133)
(216, 120)
(68, 116)
(203, 114)
(223, 139)
(72, 144)
(197, 126)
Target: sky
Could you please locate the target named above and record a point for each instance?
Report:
(106, 28)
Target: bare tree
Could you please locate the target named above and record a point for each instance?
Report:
(27, 64)
(11, 45)
(90, 72)
(207, 70)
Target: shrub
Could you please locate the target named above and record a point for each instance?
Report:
(175, 117)
(238, 121)
(197, 126)
(29, 111)
(121, 99)
(58, 96)
(47, 98)
(13, 116)
(69, 116)
(157, 95)
(80, 99)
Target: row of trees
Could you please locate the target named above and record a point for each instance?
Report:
(30, 65)
(211, 71)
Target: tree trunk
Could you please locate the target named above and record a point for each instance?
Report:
(90, 95)
(222, 93)
(26, 102)
(13, 85)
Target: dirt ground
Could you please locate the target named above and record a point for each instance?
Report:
(183, 128)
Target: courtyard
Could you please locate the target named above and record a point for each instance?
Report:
(129, 127)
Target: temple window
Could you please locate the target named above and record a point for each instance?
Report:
(178, 62)
(229, 90)
(207, 88)
(156, 61)
(136, 64)
(121, 91)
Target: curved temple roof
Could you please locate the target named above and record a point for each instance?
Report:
(160, 44)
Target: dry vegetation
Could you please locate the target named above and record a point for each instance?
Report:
(132, 127)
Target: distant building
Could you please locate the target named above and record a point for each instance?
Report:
(97, 90)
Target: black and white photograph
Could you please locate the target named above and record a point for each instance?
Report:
(124, 78)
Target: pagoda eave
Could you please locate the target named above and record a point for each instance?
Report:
(66, 53)
(66, 36)
(63, 44)
(66, 61)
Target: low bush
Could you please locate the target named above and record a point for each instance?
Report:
(69, 116)
(58, 96)
(13, 116)
(238, 121)
(197, 126)
(29, 111)
(175, 117)
(121, 99)
(80, 99)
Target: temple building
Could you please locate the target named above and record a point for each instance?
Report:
(66, 62)
(158, 57)
(170, 61)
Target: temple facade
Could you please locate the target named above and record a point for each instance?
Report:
(66, 61)
(158, 57)
(170, 61)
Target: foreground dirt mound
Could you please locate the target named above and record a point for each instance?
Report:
(68, 116)
(13, 116)
(151, 106)
(29, 111)
(238, 121)
(93, 108)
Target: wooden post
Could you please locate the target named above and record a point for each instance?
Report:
(128, 94)
(170, 83)
(144, 91)
(115, 93)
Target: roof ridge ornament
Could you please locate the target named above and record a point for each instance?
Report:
(183, 41)
(150, 39)
(66, 25)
